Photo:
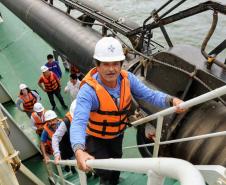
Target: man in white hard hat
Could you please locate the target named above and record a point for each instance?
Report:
(37, 118)
(50, 84)
(51, 124)
(103, 102)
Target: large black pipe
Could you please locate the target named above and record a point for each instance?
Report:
(59, 30)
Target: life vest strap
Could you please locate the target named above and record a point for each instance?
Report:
(105, 123)
(115, 113)
(103, 132)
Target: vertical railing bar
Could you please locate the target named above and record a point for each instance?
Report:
(50, 172)
(81, 174)
(82, 177)
(158, 135)
(66, 181)
(60, 174)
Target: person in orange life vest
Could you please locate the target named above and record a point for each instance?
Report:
(50, 84)
(37, 118)
(27, 98)
(51, 124)
(103, 102)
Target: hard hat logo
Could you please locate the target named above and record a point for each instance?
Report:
(111, 48)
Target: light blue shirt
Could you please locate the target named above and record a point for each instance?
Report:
(87, 101)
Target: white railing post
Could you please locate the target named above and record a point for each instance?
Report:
(60, 174)
(185, 105)
(82, 175)
(158, 136)
(154, 178)
(50, 172)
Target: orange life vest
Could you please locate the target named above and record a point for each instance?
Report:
(50, 83)
(39, 123)
(109, 120)
(50, 131)
(28, 103)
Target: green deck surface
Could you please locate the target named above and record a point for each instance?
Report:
(22, 53)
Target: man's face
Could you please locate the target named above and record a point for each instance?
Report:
(46, 73)
(73, 81)
(52, 123)
(50, 60)
(24, 91)
(40, 113)
(109, 71)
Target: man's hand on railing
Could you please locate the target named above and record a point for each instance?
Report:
(46, 159)
(82, 157)
(57, 159)
(176, 102)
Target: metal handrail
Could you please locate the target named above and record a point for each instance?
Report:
(185, 105)
(182, 170)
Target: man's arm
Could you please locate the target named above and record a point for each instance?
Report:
(44, 137)
(40, 84)
(86, 101)
(154, 97)
(57, 137)
(141, 91)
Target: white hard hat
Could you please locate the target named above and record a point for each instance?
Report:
(22, 86)
(49, 115)
(38, 107)
(44, 69)
(108, 49)
(72, 107)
